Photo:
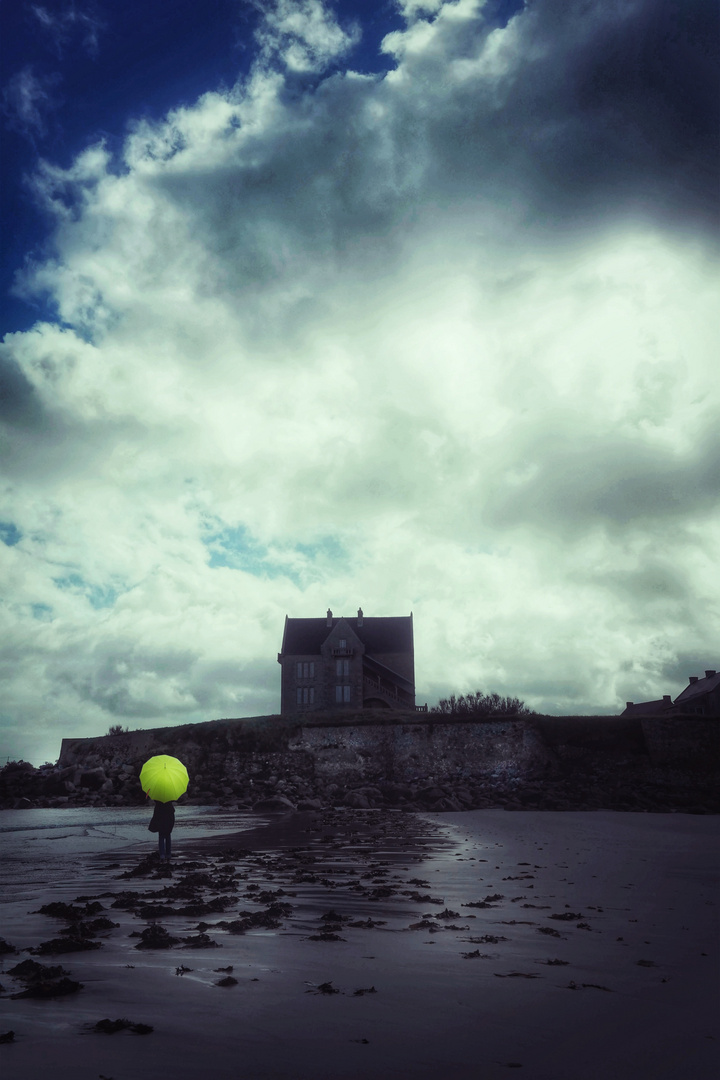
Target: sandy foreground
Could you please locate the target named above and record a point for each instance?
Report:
(351, 944)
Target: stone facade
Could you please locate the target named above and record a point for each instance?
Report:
(347, 664)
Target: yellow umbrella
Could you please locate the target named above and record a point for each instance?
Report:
(164, 778)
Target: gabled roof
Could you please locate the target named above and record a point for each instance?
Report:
(646, 708)
(702, 686)
(391, 634)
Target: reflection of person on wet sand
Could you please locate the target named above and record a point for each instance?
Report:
(162, 823)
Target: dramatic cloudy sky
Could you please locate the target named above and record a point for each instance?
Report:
(409, 305)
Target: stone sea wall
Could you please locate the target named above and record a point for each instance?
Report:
(424, 762)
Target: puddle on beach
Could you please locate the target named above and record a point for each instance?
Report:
(42, 844)
(315, 877)
(360, 864)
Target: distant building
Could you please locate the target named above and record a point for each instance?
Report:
(648, 708)
(356, 663)
(700, 698)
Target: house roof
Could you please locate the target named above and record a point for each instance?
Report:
(646, 708)
(391, 634)
(702, 686)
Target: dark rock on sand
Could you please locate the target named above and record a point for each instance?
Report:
(146, 866)
(110, 1027)
(324, 988)
(59, 910)
(43, 980)
(487, 939)
(66, 945)
(200, 941)
(31, 969)
(89, 929)
(49, 988)
(156, 937)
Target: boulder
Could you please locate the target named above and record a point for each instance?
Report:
(310, 804)
(357, 800)
(276, 804)
(93, 779)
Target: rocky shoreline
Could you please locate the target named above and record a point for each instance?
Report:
(627, 786)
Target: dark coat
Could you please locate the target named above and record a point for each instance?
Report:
(164, 817)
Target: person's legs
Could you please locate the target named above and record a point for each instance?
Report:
(167, 847)
(164, 845)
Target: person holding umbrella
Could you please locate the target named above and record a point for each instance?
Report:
(164, 779)
(162, 823)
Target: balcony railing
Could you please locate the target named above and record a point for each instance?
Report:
(390, 693)
(342, 651)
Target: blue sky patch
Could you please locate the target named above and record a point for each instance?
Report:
(98, 596)
(9, 533)
(237, 549)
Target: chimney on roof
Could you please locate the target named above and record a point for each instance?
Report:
(329, 617)
(692, 678)
(667, 700)
(628, 704)
(708, 674)
(360, 618)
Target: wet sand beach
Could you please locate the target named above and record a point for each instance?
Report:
(344, 944)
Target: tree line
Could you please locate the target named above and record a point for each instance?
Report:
(481, 704)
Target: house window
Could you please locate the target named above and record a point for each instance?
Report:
(342, 694)
(306, 695)
(342, 643)
(306, 669)
(342, 667)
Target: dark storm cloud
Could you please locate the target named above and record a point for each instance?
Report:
(18, 400)
(600, 109)
(678, 669)
(576, 116)
(580, 481)
(641, 97)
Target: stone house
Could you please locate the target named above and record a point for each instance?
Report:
(347, 663)
(701, 697)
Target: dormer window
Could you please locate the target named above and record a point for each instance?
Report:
(341, 648)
